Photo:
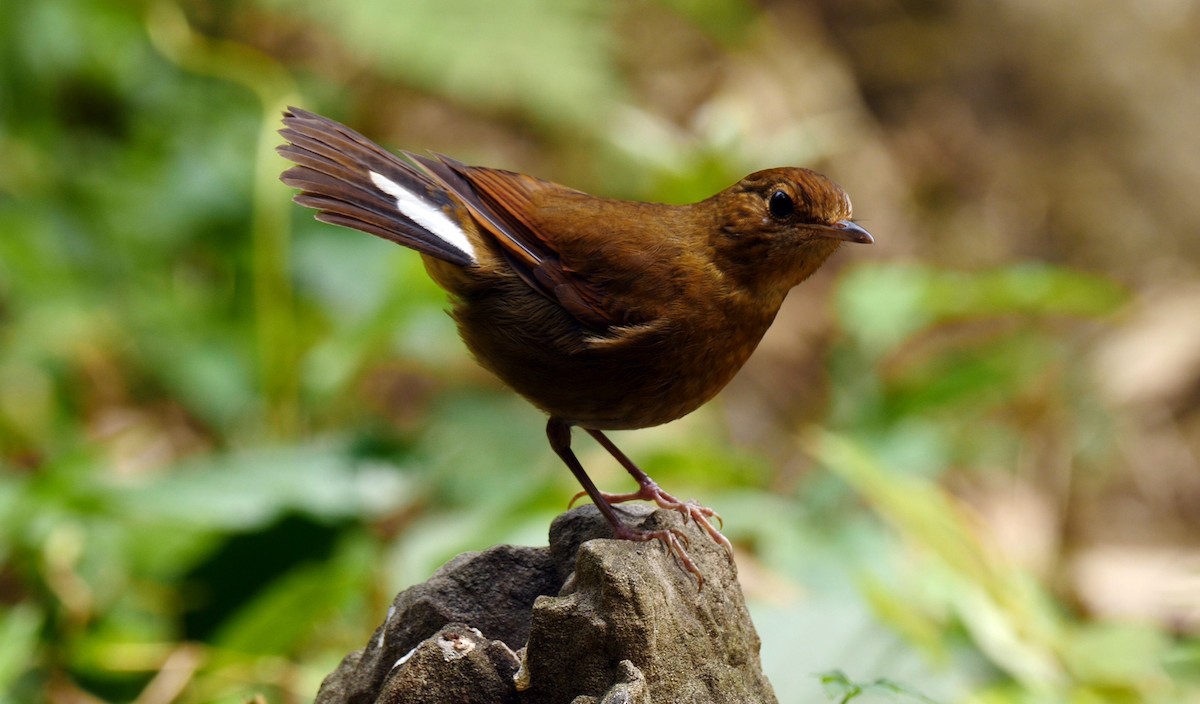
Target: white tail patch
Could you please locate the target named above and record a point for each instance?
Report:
(427, 216)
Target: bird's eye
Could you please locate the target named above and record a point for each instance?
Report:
(780, 205)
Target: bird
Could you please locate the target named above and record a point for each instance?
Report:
(605, 314)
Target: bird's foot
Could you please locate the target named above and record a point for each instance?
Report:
(673, 539)
(651, 491)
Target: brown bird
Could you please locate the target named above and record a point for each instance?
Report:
(605, 314)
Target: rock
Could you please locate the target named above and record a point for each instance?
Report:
(595, 621)
(492, 591)
(455, 665)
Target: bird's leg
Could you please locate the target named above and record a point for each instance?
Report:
(559, 433)
(649, 490)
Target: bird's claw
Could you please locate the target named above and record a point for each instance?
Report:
(690, 510)
(673, 539)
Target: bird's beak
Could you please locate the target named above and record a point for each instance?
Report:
(846, 230)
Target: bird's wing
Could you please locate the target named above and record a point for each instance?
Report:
(502, 203)
(418, 203)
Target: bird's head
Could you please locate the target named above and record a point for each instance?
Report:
(776, 227)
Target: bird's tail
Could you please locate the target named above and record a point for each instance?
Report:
(355, 183)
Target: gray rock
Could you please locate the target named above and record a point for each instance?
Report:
(595, 622)
(458, 665)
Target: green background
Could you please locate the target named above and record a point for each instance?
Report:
(962, 465)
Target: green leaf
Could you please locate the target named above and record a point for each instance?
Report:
(881, 305)
(20, 627)
(286, 614)
(840, 688)
(551, 60)
(1117, 655)
(249, 489)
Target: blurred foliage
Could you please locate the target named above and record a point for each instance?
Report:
(228, 434)
(842, 690)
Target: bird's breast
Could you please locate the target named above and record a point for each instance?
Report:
(626, 377)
